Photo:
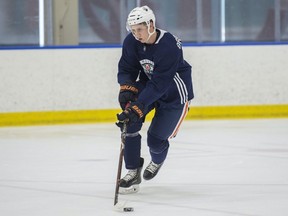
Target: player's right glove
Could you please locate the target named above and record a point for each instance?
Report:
(132, 113)
(128, 93)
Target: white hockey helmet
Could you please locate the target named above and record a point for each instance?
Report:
(139, 15)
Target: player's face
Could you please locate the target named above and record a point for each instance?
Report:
(140, 32)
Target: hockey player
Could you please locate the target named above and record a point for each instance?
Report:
(152, 74)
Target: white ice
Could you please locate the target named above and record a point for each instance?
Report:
(214, 168)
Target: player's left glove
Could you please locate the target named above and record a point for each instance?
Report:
(132, 113)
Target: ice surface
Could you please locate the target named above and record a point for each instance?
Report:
(214, 168)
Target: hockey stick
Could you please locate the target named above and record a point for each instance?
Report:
(121, 155)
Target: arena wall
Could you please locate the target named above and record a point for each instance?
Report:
(71, 85)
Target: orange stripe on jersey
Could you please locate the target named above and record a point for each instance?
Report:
(184, 113)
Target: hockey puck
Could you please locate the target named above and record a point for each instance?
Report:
(120, 207)
(128, 209)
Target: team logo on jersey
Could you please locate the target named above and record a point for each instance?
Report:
(148, 67)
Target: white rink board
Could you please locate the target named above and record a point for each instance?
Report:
(80, 79)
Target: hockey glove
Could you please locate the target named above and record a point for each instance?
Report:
(128, 93)
(132, 113)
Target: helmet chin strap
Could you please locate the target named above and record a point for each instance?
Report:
(150, 34)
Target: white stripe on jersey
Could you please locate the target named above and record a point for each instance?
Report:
(184, 85)
(181, 88)
(180, 93)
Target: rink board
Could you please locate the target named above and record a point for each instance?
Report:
(95, 116)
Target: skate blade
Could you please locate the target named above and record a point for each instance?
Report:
(129, 190)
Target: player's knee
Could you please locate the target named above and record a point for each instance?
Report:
(133, 137)
(156, 144)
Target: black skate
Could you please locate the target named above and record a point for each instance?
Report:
(151, 170)
(130, 182)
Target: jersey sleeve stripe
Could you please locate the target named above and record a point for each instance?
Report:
(184, 86)
(181, 88)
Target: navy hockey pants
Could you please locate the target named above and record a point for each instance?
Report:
(164, 126)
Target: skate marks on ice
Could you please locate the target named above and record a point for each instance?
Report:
(212, 199)
(214, 168)
(224, 168)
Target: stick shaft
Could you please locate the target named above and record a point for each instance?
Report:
(120, 162)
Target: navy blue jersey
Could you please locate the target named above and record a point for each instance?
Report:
(159, 69)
